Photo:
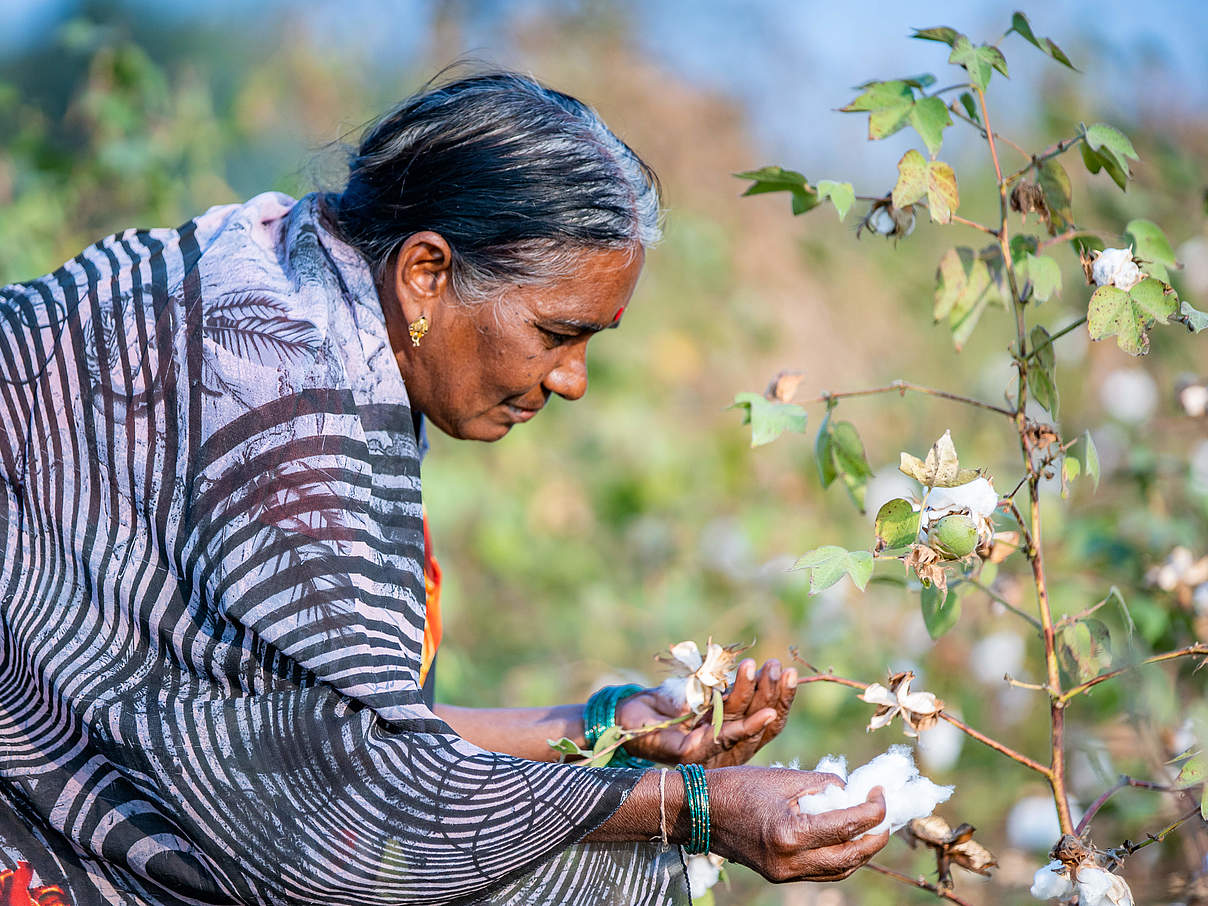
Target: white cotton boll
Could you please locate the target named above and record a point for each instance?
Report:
(675, 689)
(833, 764)
(1099, 887)
(704, 870)
(1116, 266)
(907, 794)
(1051, 882)
(882, 221)
(1129, 394)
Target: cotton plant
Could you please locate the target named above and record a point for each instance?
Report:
(961, 523)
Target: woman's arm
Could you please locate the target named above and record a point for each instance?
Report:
(523, 732)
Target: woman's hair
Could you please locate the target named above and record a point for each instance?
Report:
(518, 178)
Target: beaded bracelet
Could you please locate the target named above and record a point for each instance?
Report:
(696, 794)
(600, 713)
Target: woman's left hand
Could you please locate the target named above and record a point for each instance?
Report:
(756, 708)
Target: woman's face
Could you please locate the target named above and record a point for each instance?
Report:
(485, 367)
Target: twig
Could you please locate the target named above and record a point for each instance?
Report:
(1020, 684)
(1029, 548)
(956, 218)
(1190, 651)
(1127, 848)
(1058, 335)
(1052, 151)
(902, 387)
(1072, 233)
(920, 882)
(828, 677)
(1124, 781)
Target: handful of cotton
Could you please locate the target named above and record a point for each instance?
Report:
(908, 794)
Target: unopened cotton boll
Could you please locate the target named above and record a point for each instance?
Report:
(1117, 268)
(1051, 881)
(908, 795)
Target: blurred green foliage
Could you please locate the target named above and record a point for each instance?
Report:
(581, 544)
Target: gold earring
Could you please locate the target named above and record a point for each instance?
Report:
(417, 329)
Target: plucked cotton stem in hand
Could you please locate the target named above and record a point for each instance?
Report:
(694, 678)
(908, 794)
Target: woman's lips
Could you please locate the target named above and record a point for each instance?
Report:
(518, 413)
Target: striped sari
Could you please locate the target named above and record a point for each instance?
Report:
(212, 601)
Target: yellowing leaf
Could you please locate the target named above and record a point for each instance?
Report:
(841, 194)
(935, 180)
(1129, 315)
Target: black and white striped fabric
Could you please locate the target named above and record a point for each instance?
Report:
(212, 600)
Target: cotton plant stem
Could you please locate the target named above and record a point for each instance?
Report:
(902, 387)
(1199, 648)
(976, 125)
(920, 882)
(959, 724)
(1122, 783)
(1035, 623)
(956, 218)
(1056, 770)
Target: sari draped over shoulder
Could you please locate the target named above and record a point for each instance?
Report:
(212, 601)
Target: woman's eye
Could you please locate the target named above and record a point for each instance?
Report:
(553, 338)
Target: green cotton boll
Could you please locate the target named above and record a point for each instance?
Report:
(953, 537)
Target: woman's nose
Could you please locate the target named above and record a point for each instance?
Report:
(569, 378)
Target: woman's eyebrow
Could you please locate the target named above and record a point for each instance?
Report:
(578, 324)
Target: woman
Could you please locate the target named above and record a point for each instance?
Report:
(214, 635)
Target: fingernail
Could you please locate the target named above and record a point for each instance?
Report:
(790, 679)
(748, 670)
(774, 671)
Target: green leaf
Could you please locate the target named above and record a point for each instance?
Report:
(912, 179)
(841, 195)
(888, 105)
(1195, 319)
(930, 118)
(977, 61)
(1045, 275)
(941, 609)
(1193, 772)
(1111, 144)
(964, 288)
(827, 565)
(1042, 373)
(897, 524)
(1021, 26)
(719, 713)
(610, 737)
(705, 899)
(1114, 594)
(778, 179)
(1054, 182)
(941, 33)
(970, 106)
(918, 177)
(1150, 243)
(1128, 315)
(1084, 650)
(566, 746)
(824, 453)
(850, 461)
(1090, 458)
(1071, 468)
(1156, 299)
(768, 419)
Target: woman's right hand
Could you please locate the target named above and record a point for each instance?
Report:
(755, 820)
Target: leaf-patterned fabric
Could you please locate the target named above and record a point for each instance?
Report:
(212, 600)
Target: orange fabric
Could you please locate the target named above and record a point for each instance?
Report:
(432, 624)
(15, 889)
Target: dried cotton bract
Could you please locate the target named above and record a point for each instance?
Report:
(919, 710)
(696, 679)
(908, 795)
(1117, 268)
(1075, 868)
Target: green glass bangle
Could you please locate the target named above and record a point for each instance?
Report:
(696, 794)
(600, 713)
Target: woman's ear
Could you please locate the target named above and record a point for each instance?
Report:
(420, 274)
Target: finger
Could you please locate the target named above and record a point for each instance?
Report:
(767, 688)
(747, 727)
(840, 825)
(834, 863)
(738, 700)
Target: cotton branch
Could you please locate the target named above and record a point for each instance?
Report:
(1122, 783)
(902, 387)
(920, 882)
(1128, 847)
(1199, 648)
